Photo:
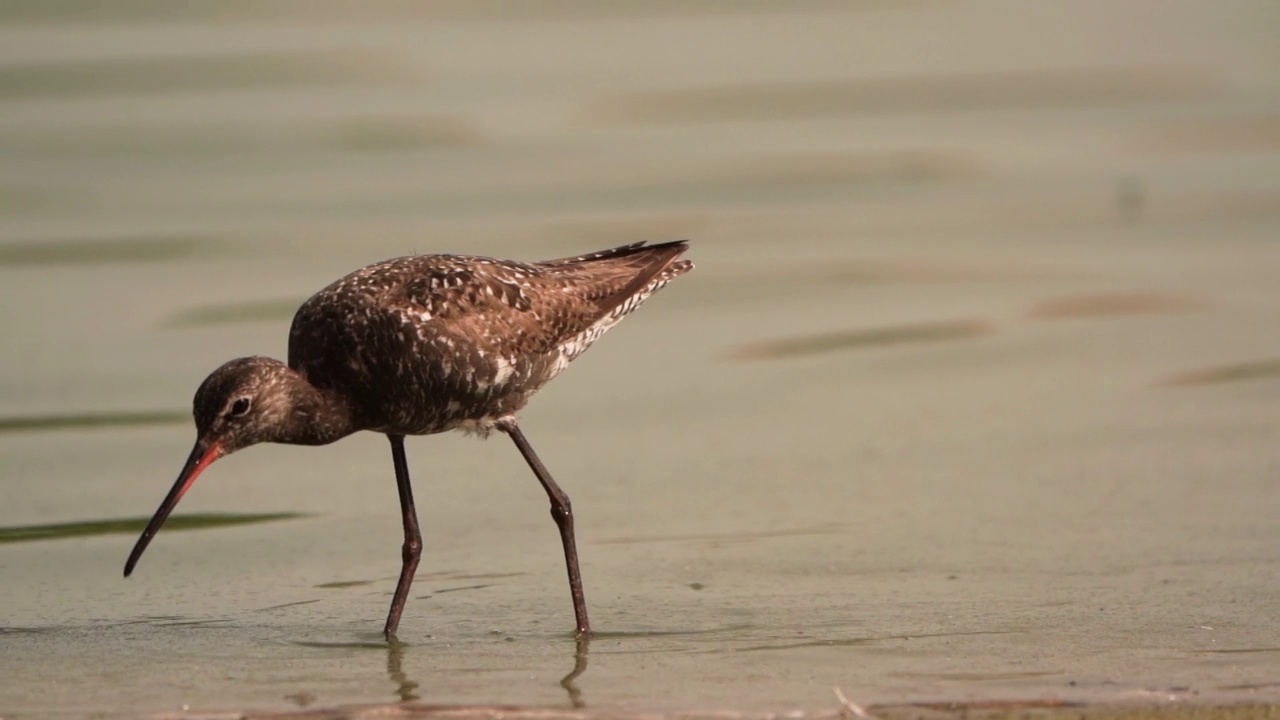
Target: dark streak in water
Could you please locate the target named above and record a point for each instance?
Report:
(1006, 708)
(1250, 686)
(872, 337)
(1237, 372)
(21, 200)
(1258, 133)
(282, 606)
(1096, 87)
(460, 575)
(357, 135)
(464, 587)
(180, 73)
(960, 633)
(375, 135)
(1116, 304)
(642, 634)
(197, 624)
(148, 620)
(371, 645)
(256, 311)
(979, 677)
(240, 11)
(89, 528)
(84, 421)
(342, 584)
(96, 252)
(486, 576)
(806, 644)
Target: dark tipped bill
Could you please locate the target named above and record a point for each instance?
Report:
(201, 457)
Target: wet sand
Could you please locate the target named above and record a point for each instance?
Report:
(972, 398)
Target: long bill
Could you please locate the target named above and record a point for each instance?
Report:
(201, 457)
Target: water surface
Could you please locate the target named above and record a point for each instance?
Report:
(971, 399)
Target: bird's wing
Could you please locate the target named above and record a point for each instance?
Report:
(529, 307)
(450, 287)
(505, 305)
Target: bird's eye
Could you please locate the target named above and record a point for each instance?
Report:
(240, 407)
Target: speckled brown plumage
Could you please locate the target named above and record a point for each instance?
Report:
(430, 343)
(420, 345)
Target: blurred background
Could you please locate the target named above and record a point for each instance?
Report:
(973, 393)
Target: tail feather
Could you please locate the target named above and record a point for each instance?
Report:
(676, 269)
(634, 269)
(616, 282)
(614, 253)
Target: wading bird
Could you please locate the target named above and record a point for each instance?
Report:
(420, 345)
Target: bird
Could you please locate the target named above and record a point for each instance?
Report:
(419, 345)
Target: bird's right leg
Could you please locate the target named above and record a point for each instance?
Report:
(562, 513)
(412, 549)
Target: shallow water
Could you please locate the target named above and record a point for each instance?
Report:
(972, 395)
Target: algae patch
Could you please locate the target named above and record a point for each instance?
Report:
(863, 338)
(88, 528)
(1234, 372)
(82, 421)
(96, 252)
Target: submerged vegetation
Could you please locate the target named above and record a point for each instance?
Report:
(87, 528)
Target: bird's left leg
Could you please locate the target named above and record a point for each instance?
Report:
(412, 549)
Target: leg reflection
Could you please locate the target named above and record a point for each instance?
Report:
(568, 682)
(395, 661)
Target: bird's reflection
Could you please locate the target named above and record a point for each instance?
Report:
(569, 682)
(406, 689)
(395, 670)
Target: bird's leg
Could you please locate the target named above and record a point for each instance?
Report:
(412, 549)
(562, 513)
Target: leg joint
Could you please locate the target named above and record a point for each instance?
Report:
(562, 512)
(412, 548)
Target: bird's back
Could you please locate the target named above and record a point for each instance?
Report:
(429, 343)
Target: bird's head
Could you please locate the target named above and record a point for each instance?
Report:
(244, 402)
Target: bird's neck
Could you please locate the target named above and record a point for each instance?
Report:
(317, 417)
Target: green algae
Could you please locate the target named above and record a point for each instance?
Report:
(119, 526)
(85, 421)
